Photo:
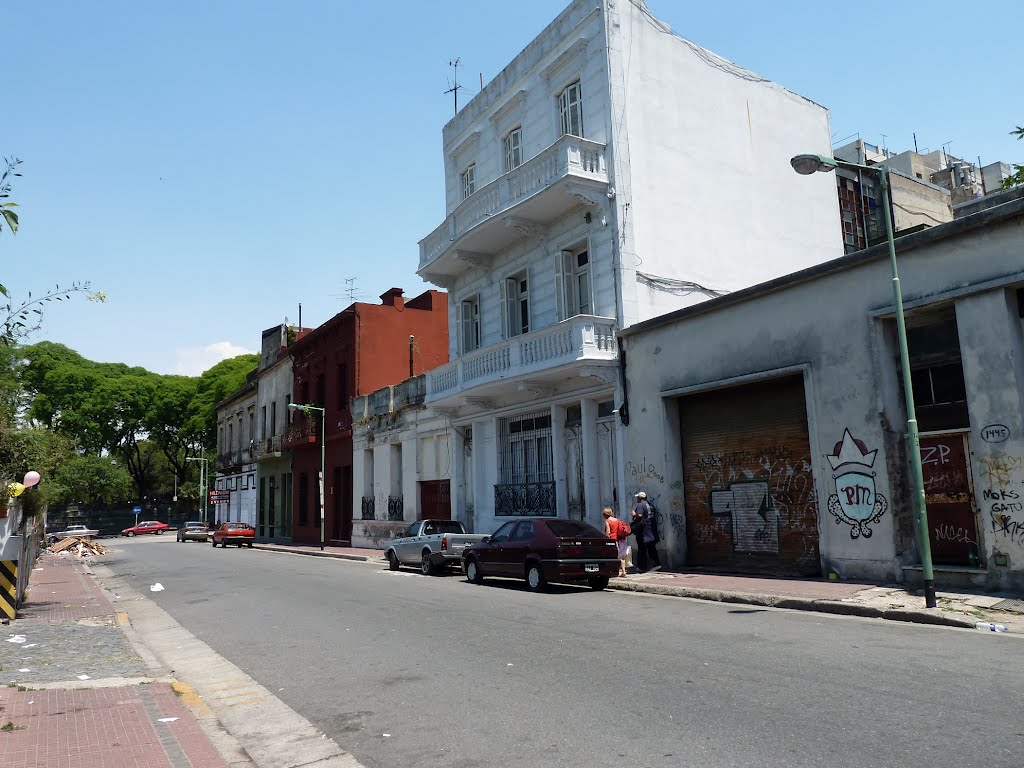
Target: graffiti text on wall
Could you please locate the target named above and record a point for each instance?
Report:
(1004, 497)
(856, 502)
(644, 472)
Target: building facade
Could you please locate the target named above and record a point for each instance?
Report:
(769, 426)
(361, 349)
(273, 459)
(612, 172)
(237, 439)
(402, 462)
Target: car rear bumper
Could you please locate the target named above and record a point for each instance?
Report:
(576, 570)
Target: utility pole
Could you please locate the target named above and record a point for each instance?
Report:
(454, 90)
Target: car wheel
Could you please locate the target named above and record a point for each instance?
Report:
(393, 564)
(535, 580)
(130, 534)
(598, 583)
(427, 563)
(215, 543)
(249, 544)
(159, 533)
(473, 573)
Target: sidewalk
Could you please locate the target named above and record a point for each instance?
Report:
(892, 601)
(77, 692)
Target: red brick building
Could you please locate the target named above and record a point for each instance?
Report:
(361, 349)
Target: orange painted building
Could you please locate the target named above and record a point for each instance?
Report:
(361, 349)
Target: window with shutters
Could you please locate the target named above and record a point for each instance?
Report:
(468, 181)
(515, 305)
(469, 323)
(570, 109)
(573, 283)
(513, 149)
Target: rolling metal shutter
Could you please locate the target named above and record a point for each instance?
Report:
(749, 489)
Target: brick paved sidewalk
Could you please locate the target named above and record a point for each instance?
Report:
(68, 637)
(101, 728)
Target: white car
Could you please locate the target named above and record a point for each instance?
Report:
(82, 531)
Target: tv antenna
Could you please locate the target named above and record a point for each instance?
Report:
(349, 290)
(454, 90)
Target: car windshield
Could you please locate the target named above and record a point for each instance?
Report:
(570, 529)
(239, 526)
(195, 525)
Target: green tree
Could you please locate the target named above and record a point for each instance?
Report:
(91, 480)
(1017, 177)
(223, 379)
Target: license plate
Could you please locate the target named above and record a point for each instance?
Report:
(591, 568)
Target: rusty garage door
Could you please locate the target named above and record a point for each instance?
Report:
(749, 487)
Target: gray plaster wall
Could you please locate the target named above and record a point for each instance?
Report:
(832, 325)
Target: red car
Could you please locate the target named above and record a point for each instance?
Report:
(146, 526)
(234, 533)
(540, 550)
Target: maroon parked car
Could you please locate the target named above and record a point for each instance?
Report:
(542, 550)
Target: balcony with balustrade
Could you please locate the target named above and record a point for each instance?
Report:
(583, 345)
(515, 205)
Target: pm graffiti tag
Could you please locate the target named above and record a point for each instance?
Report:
(856, 502)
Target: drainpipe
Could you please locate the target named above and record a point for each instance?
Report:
(624, 406)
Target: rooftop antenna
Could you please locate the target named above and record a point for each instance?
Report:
(915, 143)
(454, 90)
(351, 289)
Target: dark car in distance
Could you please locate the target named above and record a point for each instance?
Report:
(542, 550)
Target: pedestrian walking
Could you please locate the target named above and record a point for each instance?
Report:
(645, 528)
(618, 531)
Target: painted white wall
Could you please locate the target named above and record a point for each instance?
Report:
(703, 158)
(829, 326)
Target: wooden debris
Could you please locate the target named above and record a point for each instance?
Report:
(79, 547)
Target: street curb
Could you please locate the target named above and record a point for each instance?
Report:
(925, 616)
(312, 553)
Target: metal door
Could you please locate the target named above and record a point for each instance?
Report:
(949, 499)
(607, 463)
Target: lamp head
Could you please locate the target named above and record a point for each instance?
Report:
(805, 165)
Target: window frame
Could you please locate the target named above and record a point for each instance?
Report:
(516, 304)
(513, 144)
(568, 274)
(467, 181)
(568, 108)
(473, 324)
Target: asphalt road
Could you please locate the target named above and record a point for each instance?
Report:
(405, 670)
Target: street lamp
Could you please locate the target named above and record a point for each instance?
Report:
(323, 439)
(807, 165)
(202, 479)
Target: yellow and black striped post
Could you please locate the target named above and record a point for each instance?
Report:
(8, 588)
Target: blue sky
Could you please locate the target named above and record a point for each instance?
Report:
(210, 165)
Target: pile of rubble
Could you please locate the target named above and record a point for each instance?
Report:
(78, 547)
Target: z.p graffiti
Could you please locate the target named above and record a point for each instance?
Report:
(856, 502)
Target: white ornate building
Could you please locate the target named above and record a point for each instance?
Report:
(612, 172)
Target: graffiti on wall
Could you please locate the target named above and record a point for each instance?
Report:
(1004, 496)
(856, 501)
(755, 518)
(642, 473)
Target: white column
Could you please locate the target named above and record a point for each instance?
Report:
(456, 452)
(558, 460)
(381, 480)
(410, 489)
(359, 488)
(588, 436)
(485, 474)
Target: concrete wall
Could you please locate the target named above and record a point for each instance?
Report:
(705, 192)
(832, 328)
(915, 203)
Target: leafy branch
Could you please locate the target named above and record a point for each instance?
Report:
(1017, 177)
(6, 214)
(18, 320)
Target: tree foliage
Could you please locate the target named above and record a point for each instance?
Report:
(1017, 177)
(90, 480)
(148, 422)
